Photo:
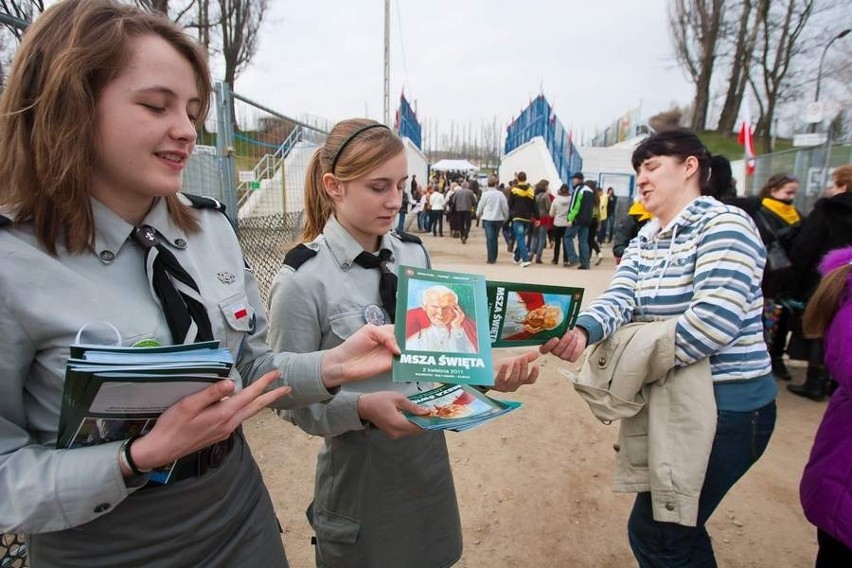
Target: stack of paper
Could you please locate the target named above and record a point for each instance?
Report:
(113, 393)
(458, 408)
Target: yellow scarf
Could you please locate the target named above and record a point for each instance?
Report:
(786, 212)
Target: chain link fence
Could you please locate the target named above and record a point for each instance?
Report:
(254, 159)
(812, 166)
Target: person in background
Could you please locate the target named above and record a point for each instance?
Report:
(610, 213)
(463, 202)
(559, 213)
(493, 209)
(545, 221)
(436, 213)
(508, 232)
(777, 220)
(523, 213)
(477, 193)
(828, 227)
(628, 227)
(384, 492)
(97, 121)
(603, 214)
(579, 220)
(825, 490)
(593, 226)
(708, 259)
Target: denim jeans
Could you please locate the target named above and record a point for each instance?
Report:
(740, 440)
(509, 235)
(492, 229)
(520, 229)
(539, 241)
(582, 234)
(400, 222)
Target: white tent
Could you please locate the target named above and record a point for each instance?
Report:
(453, 165)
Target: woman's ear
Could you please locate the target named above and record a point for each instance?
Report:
(332, 186)
(691, 166)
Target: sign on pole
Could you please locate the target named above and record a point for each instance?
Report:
(813, 114)
(809, 139)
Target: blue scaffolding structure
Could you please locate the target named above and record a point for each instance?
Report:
(406, 123)
(538, 119)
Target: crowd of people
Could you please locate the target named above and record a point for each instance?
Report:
(95, 229)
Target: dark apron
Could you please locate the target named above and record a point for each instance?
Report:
(381, 502)
(223, 518)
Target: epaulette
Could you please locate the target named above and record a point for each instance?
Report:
(201, 202)
(298, 255)
(4, 221)
(407, 237)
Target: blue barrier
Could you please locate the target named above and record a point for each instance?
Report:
(538, 119)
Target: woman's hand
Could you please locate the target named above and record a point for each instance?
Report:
(366, 353)
(570, 347)
(202, 419)
(384, 410)
(514, 372)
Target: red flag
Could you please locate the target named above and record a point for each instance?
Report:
(746, 136)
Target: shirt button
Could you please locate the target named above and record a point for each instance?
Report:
(669, 506)
(616, 447)
(345, 266)
(180, 243)
(103, 508)
(602, 361)
(107, 255)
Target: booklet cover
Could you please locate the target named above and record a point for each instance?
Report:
(111, 393)
(457, 408)
(530, 314)
(441, 328)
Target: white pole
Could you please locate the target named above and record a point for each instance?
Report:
(387, 63)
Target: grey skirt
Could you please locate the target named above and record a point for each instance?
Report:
(223, 518)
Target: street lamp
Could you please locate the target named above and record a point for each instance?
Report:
(842, 34)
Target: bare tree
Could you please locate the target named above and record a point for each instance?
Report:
(23, 10)
(779, 45)
(239, 23)
(695, 26)
(744, 38)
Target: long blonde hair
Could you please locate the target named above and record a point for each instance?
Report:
(360, 154)
(48, 113)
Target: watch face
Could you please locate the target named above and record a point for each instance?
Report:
(373, 314)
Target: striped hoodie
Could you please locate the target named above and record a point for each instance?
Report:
(705, 269)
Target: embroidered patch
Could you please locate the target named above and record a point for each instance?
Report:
(226, 278)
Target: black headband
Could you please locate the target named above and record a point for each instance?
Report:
(349, 139)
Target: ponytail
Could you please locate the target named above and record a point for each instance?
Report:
(318, 204)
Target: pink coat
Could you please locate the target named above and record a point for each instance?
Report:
(826, 487)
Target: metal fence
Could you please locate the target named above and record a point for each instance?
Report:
(254, 160)
(809, 165)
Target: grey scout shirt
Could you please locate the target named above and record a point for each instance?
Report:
(323, 303)
(45, 300)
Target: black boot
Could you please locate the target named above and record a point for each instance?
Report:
(814, 386)
(779, 369)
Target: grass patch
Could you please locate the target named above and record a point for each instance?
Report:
(728, 146)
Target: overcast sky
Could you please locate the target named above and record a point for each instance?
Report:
(468, 59)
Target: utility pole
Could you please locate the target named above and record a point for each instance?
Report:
(387, 63)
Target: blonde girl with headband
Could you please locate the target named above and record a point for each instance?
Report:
(97, 121)
(384, 493)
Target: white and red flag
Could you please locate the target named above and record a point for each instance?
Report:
(746, 135)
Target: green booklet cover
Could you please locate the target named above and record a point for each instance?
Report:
(442, 328)
(530, 314)
(457, 408)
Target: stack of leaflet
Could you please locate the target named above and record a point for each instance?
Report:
(114, 393)
(458, 408)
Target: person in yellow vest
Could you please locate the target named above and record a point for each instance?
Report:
(628, 227)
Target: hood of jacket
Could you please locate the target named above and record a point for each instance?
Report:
(524, 190)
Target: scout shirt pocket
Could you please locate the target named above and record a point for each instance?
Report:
(240, 317)
(346, 323)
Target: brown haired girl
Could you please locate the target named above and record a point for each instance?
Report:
(384, 493)
(97, 123)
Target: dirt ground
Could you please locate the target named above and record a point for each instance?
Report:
(535, 486)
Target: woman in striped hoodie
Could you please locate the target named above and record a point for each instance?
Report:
(701, 262)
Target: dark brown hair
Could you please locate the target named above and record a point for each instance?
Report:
(775, 183)
(48, 115)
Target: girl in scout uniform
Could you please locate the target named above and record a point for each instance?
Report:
(97, 121)
(384, 492)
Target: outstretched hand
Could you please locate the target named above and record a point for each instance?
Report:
(366, 353)
(570, 346)
(202, 419)
(384, 410)
(514, 372)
